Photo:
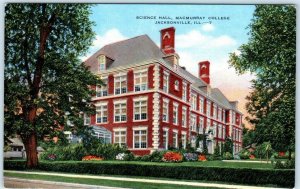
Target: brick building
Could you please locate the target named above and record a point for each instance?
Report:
(150, 102)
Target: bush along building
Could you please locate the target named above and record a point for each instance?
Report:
(151, 103)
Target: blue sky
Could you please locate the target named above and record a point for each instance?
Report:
(193, 42)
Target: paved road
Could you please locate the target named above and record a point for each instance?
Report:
(24, 183)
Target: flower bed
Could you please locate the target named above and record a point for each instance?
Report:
(172, 157)
(92, 158)
(202, 157)
(190, 156)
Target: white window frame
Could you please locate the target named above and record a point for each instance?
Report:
(86, 119)
(100, 108)
(140, 138)
(118, 134)
(219, 114)
(224, 132)
(183, 139)
(215, 129)
(140, 113)
(166, 82)
(166, 137)
(201, 125)
(194, 122)
(201, 105)
(175, 113)
(118, 105)
(223, 117)
(102, 90)
(184, 117)
(194, 101)
(233, 118)
(176, 85)
(184, 91)
(165, 114)
(140, 74)
(118, 83)
(175, 133)
(215, 108)
(102, 62)
(208, 107)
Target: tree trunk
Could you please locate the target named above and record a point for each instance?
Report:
(31, 151)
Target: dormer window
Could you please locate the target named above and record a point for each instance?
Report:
(102, 62)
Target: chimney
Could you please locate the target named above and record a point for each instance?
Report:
(167, 45)
(204, 71)
(167, 40)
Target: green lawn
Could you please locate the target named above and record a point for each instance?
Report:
(197, 164)
(101, 182)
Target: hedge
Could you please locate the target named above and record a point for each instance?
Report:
(282, 178)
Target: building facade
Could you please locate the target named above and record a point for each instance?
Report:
(149, 102)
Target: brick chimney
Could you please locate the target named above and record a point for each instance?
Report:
(204, 71)
(167, 40)
(167, 45)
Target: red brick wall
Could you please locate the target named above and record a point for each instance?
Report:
(150, 77)
(130, 81)
(110, 84)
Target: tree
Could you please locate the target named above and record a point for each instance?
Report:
(271, 54)
(248, 137)
(46, 86)
(228, 146)
(267, 148)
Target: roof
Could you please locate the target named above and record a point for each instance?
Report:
(141, 49)
(126, 52)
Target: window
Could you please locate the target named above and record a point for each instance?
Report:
(175, 139)
(215, 129)
(101, 90)
(166, 82)
(208, 109)
(87, 119)
(224, 132)
(214, 111)
(193, 126)
(140, 109)
(165, 139)
(177, 85)
(184, 92)
(121, 84)
(201, 104)
(194, 101)
(223, 117)
(165, 110)
(103, 136)
(233, 118)
(183, 140)
(201, 125)
(175, 113)
(219, 114)
(208, 124)
(140, 138)
(120, 138)
(140, 80)
(101, 113)
(120, 111)
(101, 61)
(219, 131)
(184, 116)
(240, 136)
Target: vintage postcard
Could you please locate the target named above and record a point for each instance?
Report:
(149, 95)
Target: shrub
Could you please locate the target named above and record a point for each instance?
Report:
(244, 154)
(227, 156)
(190, 156)
(125, 156)
(284, 164)
(279, 177)
(172, 157)
(156, 156)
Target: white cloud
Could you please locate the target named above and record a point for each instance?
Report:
(110, 36)
(208, 27)
(198, 40)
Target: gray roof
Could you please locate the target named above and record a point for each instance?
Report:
(126, 52)
(140, 49)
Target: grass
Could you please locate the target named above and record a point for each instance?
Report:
(101, 182)
(196, 164)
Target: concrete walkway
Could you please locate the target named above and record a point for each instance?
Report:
(197, 184)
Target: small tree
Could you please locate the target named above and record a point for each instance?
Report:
(217, 150)
(260, 151)
(228, 147)
(267, 148)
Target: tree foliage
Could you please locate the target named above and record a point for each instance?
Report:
(271, 54)
(46, 85)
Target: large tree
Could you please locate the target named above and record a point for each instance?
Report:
(46, 85)
(271, 54)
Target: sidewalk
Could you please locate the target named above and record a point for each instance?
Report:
(197, 184)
